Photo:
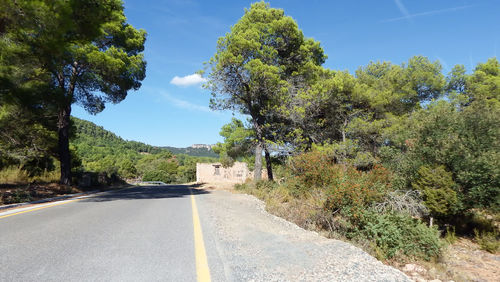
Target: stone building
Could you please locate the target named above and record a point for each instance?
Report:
(216, 173)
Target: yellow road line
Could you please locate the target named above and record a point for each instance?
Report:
(60, 203)
(202, 269)
(44, 207)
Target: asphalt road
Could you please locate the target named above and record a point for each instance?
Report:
(173, 233)
(136, 234)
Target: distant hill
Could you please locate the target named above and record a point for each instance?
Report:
(192, 151)
(88, 134)
(101, 151)
(89, 137)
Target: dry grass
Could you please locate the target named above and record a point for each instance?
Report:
(10, 194)
(16, 176)
(307, 211)
(13, 175)
(461, 261)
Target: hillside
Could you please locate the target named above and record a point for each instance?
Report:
(99, 150)
(89, 134)
(195, 152)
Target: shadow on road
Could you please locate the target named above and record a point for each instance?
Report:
(148, 192)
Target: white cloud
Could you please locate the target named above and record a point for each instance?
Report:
(188, 80)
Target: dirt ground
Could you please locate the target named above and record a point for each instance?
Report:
(462, 261)
(216, 186)
(10, 194)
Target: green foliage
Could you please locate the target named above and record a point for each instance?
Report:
(315, 190)
(353, 190)
(438, 189)
(252, 67)
(347, 152)
(398, 89)
(321, 109)
(397, 234)
(450, 237)
(80, 51)
(488, 241)
(348, 188)
(98, 52)
(25, 140)
(127, 169)
(238, 142)
(194, 152)
(484, 83)
(102, 151)
(464, 140)
(13, 175)
(158, 175)
(386, 93)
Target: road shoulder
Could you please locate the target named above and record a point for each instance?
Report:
(255, 245)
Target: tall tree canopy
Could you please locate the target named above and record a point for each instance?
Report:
(238, 142)
(252, 69)
(84, 51)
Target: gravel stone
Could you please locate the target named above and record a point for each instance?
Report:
(254, 245)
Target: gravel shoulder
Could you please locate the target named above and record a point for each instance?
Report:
(253, 245)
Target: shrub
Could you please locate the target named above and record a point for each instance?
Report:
(345, 185)
(314, 169)
(241, 187)
(488, 241)
(265, 185)
(317, 193)
(353, 190)
(450, 237)
(397, 234)
(158, 175)
(408, 202)
(437, 186)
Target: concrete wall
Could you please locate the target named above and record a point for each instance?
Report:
(216, 173)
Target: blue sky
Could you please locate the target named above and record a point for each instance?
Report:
(182, 34)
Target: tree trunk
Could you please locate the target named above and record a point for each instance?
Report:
(269, 166)
(257, 172)
(343, 129)
(258, 149)
(63, 124)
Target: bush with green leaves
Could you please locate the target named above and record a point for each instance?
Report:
(396, 235)
(439, 190)
(461, 134)
(488, 241)
(347, 188)
(158, 175)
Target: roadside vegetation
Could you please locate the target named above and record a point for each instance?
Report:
(48, 62)
(100, 155)
(399, 158)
